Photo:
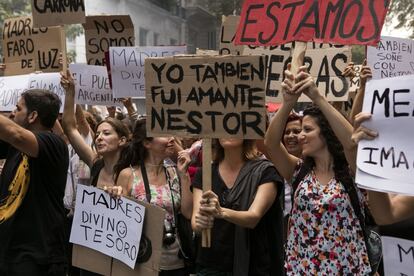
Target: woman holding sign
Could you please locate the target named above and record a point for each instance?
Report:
(325, 236)
(143, 174)
(245, 206)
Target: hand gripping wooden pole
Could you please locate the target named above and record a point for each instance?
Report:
(206, 234)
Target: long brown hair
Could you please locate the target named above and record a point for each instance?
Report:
(249, 150)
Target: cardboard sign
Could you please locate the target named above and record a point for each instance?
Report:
(48, 81)
(392, 57)
(391, 101)
(371, 182)
(12, 87)
(212, 97)
(343, 22)
(10, 90)
(325, 62)
(355, 82)
(27, 49)
(97, 262)
(205, 52)
(398, 256)
(228, 32)
(127, 67)
(92, 85)
(106, 224)
(104, 31)
(53, 13)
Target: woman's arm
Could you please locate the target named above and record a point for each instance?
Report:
(283, 161)
(199, 220)
(84, 151)
(124, 181)
(339, 124)
(387, 209)
(359, 98)
(265, 197)
(183, 161)
(83, 125)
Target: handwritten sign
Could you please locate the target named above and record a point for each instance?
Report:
(127, 67)
(325, 62)
(355, 82)
(27, 49)
(398, 256)
(108, 225)
(10, 90)
(104, 31)
(228, 32)
(392, 57)
(391, 101)
(54, 13)
(48, 81)
(12, 87)
(343, 22)
(92, 85)
(213, 97)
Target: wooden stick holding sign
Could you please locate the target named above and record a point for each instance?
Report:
(207, 158)
(298, 56)
(206, 97)
(63, 57)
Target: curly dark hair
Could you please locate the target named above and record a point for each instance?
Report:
(335, 148)
(135, 153)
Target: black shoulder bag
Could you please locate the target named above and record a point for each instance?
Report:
(369, 228)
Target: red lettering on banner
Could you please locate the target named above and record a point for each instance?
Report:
(343, 22)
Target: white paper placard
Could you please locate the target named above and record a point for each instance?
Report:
(398, 256)
(108, 225)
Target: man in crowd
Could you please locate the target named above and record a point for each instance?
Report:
(32, 183)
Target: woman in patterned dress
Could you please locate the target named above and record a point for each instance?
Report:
(164, 179)
(324, 236)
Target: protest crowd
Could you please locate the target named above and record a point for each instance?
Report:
(208, 180)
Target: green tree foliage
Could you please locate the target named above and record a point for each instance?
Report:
(220, 8)
(403, 11)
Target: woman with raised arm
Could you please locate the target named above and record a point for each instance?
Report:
(245, 205)
(325, 236)
(111, 137)
(144, 174)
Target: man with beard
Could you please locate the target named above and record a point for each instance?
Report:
(32, 183)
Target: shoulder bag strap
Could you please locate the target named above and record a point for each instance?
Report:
(146, 183)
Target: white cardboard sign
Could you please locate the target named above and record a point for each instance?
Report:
(108, 225)
(92, 85)
(12, 87)
(398, 256)
(127, 67)
(392, 57)
(391, 154)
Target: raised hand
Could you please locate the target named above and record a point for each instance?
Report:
(289, 95)
(365, 73)
(361, 132)
(67, 81)
(183, 161)
(349, 71)
(306, 84)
